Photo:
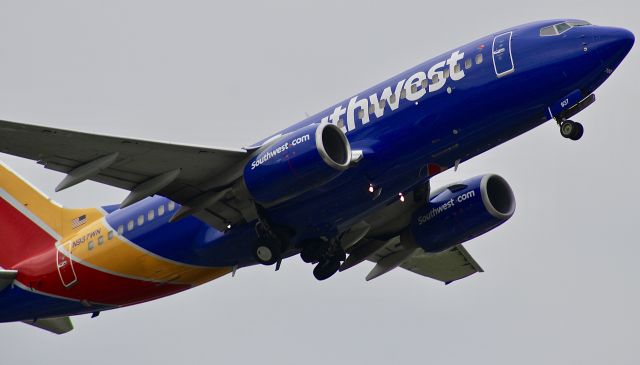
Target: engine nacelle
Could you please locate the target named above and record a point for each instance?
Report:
(461, 212)
(298, 162)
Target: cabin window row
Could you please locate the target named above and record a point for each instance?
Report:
(148, 217)
(91, 244)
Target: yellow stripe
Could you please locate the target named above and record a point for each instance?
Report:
(92, 215)
(114, 255)
(39, 204)
(118, 256)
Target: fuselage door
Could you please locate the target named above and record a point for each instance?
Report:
(502, 57)
(65, 265)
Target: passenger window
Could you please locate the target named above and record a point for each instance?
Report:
(150, 215)
(478, 58)
(457, 68)
(468, 63)
(110, 235)
(392, 98)
(90, 245)
(424, 83)
(100, 240)
(171, 206)
(160, 210)
(372, 109)
(340, 124)
(140, 220)
(383, 104)
(435, 79)
(360, 113)
(130, 226)
(403, 94)
(446, 73)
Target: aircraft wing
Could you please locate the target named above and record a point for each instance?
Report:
(189, 175)
(447, 266)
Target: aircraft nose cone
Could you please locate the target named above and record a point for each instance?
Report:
(614, 44)
(623, 39)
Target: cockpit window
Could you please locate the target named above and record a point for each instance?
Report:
(560, 28)
(548, 31)
(578, 23)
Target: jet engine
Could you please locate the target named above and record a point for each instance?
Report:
(297, 162)
(461, 212)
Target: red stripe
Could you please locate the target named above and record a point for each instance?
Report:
(20, 238)
(26, 247)
(41, 273)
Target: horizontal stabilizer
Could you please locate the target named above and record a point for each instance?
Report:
(57, 325)
(7, 277)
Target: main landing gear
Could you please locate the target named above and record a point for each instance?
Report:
(571, 130)
(326, 255)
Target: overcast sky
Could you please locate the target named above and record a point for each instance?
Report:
(561, 281)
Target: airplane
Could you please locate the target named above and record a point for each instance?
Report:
(346, 185)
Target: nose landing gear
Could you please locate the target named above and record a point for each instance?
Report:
(568, 128)
(571, 130)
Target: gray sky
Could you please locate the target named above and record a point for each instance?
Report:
(561, 280)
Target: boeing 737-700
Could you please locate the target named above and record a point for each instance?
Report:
(346, 185)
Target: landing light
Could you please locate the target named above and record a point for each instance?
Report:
(371, 189)
(401, 197)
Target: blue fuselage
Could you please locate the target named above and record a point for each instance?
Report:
(410, 127)
(452, 124)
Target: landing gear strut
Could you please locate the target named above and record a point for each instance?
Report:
(272, 241)
(571, 130)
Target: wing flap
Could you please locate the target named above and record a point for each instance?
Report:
(448, 266)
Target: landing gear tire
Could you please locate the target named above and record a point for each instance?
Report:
(571, 130)
(266, 253)
(579, 131)
(326, 268)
